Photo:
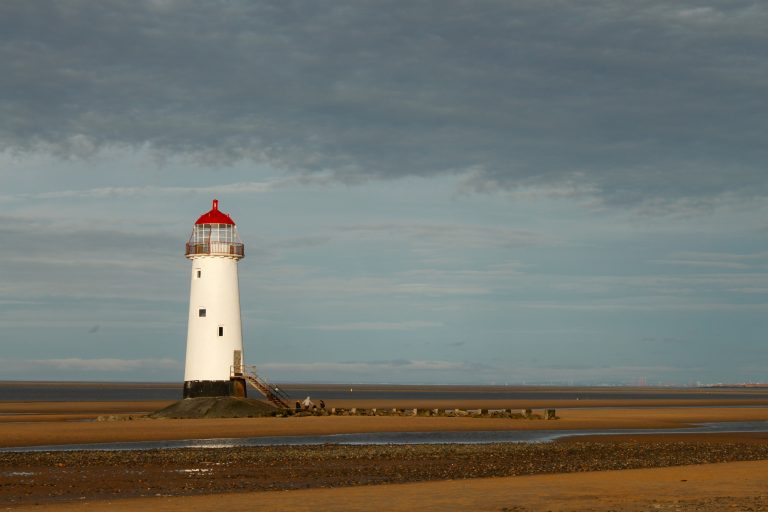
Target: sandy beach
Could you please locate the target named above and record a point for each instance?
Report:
(51, 423)
(506, 476)
(738, 486)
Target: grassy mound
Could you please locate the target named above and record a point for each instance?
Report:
(216, 407)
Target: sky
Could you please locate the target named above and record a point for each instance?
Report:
(447, 192)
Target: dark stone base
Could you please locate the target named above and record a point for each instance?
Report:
(210, 388)
(217, 407)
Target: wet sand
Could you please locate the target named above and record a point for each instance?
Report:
(46, 424)
(704, 488)
(73, 411)
(584, 467)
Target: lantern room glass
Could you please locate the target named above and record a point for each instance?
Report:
(205, 233)
(215, 239)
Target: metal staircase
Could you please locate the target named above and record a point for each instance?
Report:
(271, 392)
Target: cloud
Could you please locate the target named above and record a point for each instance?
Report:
(415, 371)
(377, 326)
(529, 286)
(98, 365)
(363, 367)
(587, 374)
(651, 292)
(399, 371)
(451, 236)
(660, 303)
(53, 257)
(250, 187)
(281, 283)
(628, 103)
(716, 260)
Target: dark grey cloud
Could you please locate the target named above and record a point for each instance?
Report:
(634, 101)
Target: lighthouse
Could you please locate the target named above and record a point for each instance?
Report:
(214, 362)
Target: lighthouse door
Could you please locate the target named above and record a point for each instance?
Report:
(237, 362)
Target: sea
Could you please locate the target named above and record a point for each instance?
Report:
(140, 391)
(397, 438)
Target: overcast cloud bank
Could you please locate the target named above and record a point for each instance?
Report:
(628, 101)
(438, 191)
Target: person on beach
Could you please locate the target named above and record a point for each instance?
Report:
(298, 406)
(322, 405)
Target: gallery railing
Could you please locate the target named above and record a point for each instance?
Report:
(216, 249)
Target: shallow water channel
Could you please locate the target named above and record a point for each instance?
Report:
(379, 438)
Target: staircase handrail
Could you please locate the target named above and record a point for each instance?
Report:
(270, 391)
(279, 392)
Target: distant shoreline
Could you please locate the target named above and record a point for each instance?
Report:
(38, 382)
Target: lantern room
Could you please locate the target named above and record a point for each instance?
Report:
(215, 234)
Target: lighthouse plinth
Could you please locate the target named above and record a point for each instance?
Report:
(214, 359)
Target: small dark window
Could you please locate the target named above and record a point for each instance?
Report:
(199, 273)
(221, 331)
(201, 312)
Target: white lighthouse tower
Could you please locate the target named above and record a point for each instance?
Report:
(214, 336)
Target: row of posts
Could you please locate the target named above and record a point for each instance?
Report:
(545, 414)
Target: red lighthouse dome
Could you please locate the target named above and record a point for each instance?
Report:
(215, 216)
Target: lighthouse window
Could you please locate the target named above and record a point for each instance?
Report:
(199, 273)
(201, 233)
(222, 233)
(201, 312)
(221, 330)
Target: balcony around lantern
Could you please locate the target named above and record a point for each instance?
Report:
(233, 249)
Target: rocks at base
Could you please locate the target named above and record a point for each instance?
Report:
(216, 407)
